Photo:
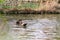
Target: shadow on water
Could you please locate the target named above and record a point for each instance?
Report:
(39, 27)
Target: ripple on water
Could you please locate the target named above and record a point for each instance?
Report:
(42, 29)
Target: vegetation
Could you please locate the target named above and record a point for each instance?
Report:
(6, 7)
(30, 5)
(1, 1)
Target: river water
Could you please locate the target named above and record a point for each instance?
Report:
(39, 27)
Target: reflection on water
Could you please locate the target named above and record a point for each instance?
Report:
(39, 27)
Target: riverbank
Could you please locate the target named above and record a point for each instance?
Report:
(29, 11)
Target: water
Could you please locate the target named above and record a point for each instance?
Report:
(39, 27)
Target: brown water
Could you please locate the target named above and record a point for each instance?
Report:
(39, 27)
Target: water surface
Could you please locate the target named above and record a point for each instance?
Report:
(39, 27)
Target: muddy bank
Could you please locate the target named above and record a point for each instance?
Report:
(26, 11)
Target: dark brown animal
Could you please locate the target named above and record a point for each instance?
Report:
(20, 23)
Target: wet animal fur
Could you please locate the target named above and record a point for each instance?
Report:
(22, 24)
